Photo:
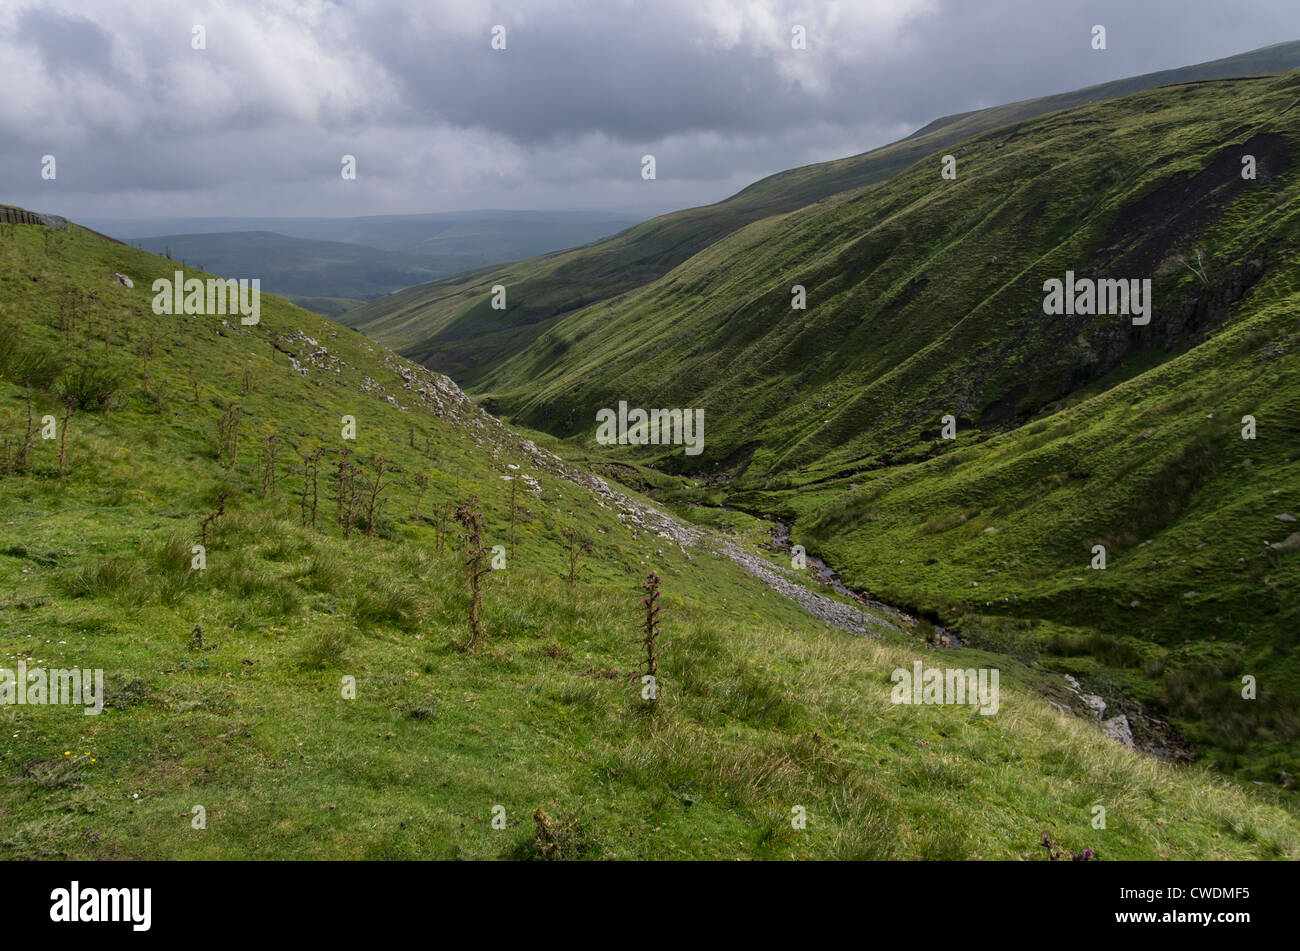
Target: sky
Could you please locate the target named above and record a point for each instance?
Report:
(257, 121)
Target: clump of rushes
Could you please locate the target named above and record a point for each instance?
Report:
(1055, 856)
(651, 631)
(477, 564)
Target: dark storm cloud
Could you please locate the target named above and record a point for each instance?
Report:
(142, 124)
(635, 78)
(642, 72)
(66, 43)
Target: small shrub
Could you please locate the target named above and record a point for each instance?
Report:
(121, 691)
(562, 839)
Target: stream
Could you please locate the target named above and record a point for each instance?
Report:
(781, 539)
(943, 637)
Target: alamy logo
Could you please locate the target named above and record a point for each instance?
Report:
(947, 685)
(1091, 297)
(218, 296)
(656, 427)
(103, 904)
(38, 687)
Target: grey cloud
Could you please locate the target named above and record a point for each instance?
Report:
(67, 43)
(440, 121)
(640, 72)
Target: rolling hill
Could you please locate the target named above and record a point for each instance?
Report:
(926, 302)
(305, 692)
(299, 267)
(331, 265)
(449, 325)
(482, 235)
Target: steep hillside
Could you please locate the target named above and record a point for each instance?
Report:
(227, 730)
(926, 296)
(926, 300)
(449, 325)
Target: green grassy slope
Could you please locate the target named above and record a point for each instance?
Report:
(925, 299)
(764, 709)
(925, 296)
(1201, 582)
(449, 325)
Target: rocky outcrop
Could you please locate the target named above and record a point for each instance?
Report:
(1117, 727)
